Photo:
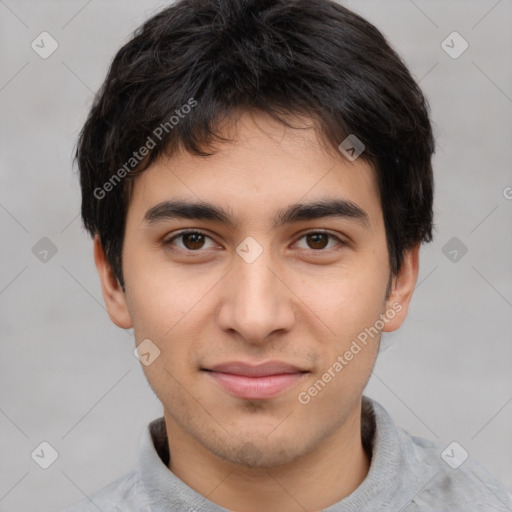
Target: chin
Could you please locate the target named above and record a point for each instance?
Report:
(262, 449)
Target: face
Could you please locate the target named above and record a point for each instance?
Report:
(260, 275)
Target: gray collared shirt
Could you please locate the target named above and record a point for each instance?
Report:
(407, 474)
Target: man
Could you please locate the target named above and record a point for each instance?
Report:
(257, 178)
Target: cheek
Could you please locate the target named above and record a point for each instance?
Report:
(161, 295)
(170, 324)
(169, 309)
(347, 298)
(348, 306)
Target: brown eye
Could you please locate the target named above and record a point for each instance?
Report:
(193, 241)
(317, 240)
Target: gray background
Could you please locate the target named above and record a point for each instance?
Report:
(69, 376)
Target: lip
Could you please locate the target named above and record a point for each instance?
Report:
(255, 382)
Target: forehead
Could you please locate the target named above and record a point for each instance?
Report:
(264, 167)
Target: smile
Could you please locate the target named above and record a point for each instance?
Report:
(253, 382)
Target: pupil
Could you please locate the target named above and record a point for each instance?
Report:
(317, 240)
(193, 240)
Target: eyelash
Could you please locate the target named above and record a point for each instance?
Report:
(170, 241)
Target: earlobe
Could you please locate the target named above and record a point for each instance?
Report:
(402, 288)
(113, 294)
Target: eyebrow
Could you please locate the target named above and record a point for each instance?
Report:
(179, 209)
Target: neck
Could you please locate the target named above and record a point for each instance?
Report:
(315, 481)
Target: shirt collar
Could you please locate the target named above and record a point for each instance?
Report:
(388, 475)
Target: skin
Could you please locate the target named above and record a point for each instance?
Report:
(302, 301)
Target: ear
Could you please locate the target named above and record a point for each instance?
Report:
(402, 288)
(113, 293)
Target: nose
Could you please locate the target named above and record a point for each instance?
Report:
(256, 303)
